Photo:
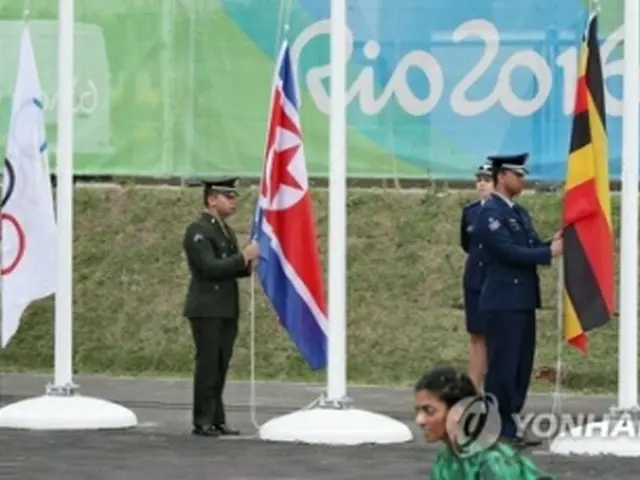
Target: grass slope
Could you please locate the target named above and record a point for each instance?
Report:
(404, 303)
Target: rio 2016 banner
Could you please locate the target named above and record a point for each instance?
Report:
(181, 87)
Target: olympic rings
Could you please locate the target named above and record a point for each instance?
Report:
(11, 174)
(10, 183)
(22, 243)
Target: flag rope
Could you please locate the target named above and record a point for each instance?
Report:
(252, 341)
(284, 17)
(556, 407)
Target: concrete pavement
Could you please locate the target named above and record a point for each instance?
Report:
(161, 447)
(276, 397)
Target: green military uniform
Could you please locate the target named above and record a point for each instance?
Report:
(212, 307)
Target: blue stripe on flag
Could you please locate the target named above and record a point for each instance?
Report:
(293, 312)
(286, 75)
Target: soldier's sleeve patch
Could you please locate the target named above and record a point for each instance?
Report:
(197, 237)
(494, 224)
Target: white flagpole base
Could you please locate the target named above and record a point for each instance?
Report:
(618, 437)
(66, 412)
(335, 426)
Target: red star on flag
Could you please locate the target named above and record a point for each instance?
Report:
(279, 174)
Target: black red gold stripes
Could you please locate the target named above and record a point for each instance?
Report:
(587, 231)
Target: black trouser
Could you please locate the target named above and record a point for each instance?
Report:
(511, 345)
(214, 339)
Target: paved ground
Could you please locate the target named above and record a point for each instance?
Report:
(162, 449)
(273, 397)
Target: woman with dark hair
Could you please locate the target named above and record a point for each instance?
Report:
(444, 399)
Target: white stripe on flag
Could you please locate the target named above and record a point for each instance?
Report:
(295, 279)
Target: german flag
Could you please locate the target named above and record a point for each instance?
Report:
(587, 232)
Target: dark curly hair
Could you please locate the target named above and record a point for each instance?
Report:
(450, 385)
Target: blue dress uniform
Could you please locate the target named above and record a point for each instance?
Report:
(474, 265)
(510, 295)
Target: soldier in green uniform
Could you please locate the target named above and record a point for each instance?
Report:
(212, 305)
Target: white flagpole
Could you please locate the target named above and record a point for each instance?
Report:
(337, 344)
(628, 327)
(61, 408)
(63, 360)
(617, 434)
(333, 420)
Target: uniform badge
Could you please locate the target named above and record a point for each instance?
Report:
(197, 237)
(470, 229)
(494, 224)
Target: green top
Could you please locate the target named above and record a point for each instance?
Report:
(500, 462)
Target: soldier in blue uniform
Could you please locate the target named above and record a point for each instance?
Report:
(473, 276)
(511, 289)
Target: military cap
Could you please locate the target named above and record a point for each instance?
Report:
(224, 185)
(484, 170)
(514, 163)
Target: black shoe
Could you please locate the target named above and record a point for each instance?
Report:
(205, 431)
(522, 442)
(223, 429)
(514, 442)
(529, 440)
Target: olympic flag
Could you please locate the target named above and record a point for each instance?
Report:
(27, 216)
